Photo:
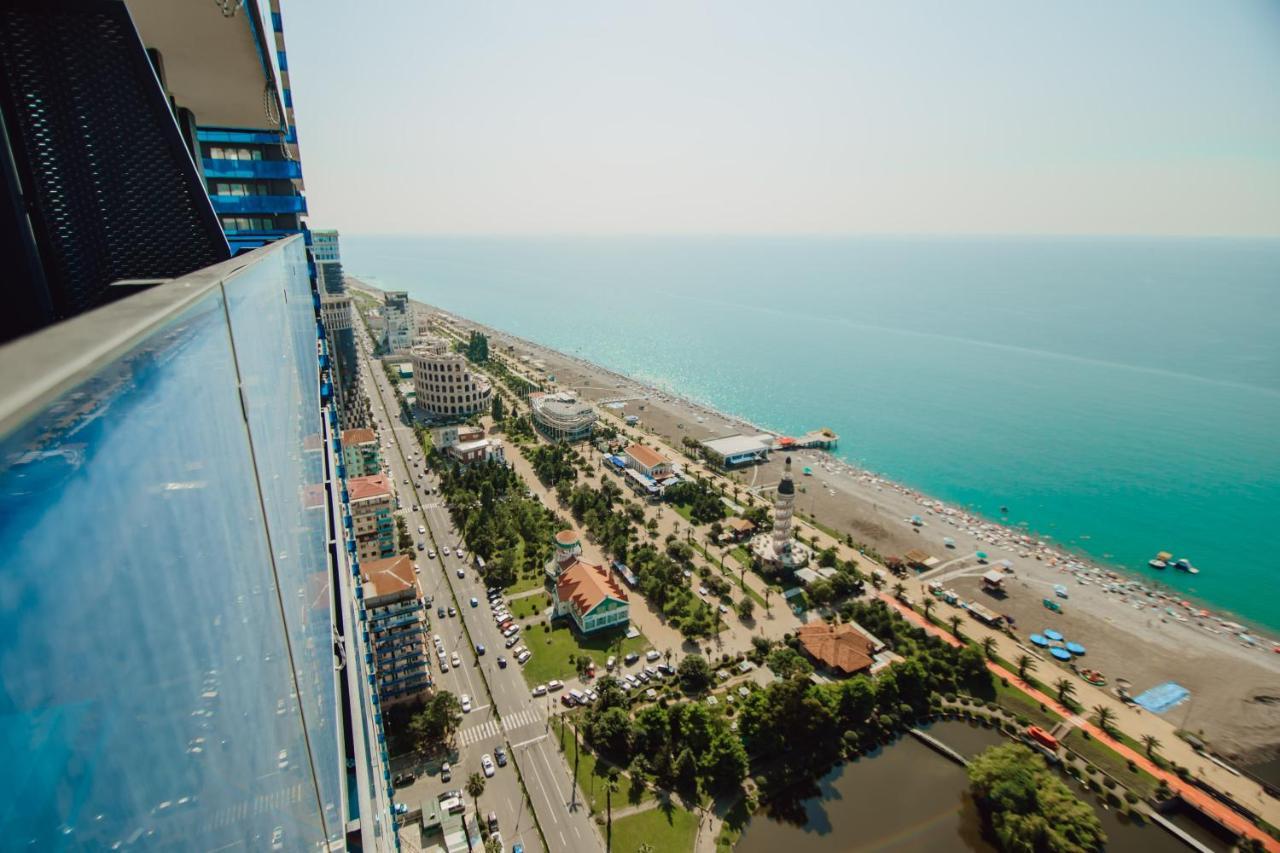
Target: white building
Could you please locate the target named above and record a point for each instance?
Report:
(562, 417)
(444, 385)
(397, 314)
(324, 246)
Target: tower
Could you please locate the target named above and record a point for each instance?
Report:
(783, 507)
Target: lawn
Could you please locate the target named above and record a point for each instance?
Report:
(1021, 705)
(525, 583)
(523, 608)
(1110, 762)
(591, 779)
(666, 828)
(551, 650)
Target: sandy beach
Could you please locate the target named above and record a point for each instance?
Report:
(1133, 630)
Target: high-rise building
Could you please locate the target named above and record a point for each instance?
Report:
(398, 628)
(170, 451)
(361, 452)
(372, 505)
(335, 306)
(397, 313)
(445, 388)
(324, 245)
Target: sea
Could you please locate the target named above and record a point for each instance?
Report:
(1120, 396)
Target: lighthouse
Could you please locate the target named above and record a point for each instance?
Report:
(783, 508)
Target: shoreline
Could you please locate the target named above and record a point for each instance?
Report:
(1235, 686)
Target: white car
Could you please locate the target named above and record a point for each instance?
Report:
(455, 660)
(486, 763)
(277, 838)
(421, 530)
(445, 550)
(511, 632)
(523, 657)
(282, 759)
(432, 553)
(466, 704)
(555, 684)
(652, 655)
(540, 690)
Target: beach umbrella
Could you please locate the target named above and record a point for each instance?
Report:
(1075, 648)
(1060, 654)
(982, 555)
(1039, 640)
(1053, 635)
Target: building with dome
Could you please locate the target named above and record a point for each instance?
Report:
(584, 592)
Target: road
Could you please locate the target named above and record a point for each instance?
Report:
(504, 711)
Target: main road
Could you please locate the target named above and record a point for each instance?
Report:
(503, 709)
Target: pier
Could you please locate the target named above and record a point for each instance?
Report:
(938, 746)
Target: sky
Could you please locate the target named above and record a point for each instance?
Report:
(795, 117)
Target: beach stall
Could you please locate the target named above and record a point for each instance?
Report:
(982, 556)
(993, 580)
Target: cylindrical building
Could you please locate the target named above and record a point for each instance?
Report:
(445, 387)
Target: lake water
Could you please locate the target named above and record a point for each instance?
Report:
(909, 797)
(1120, 396)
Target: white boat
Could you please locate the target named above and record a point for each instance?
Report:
(1157, 564)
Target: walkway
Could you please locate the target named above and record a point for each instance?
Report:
(1192, 794)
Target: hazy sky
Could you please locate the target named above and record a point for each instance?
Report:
(788, 116)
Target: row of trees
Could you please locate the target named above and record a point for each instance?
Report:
(477, 348)
(661, 579)
(554, 463)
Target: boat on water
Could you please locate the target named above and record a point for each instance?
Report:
(1157, 564)
(1184, 565)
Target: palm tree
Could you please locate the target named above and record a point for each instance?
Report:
(899, 590)
(955, 624)
(928, 609)
(877, 581)
(1065, 689)
(989, 647)
(610, 788)
(475, 787)
(1152, 743)
(1104, 716)
(1025, 666)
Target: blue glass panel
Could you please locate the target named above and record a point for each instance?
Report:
(259, 203)
(272, 325)
(144, 677)
(218, 167)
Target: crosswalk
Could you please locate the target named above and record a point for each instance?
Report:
(276, 801)
(490, 728)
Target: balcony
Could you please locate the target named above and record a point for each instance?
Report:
(248, 169)
(151, 455)
(251, 204)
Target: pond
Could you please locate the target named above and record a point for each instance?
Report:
(908, 797)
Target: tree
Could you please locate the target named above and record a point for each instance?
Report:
(695, 674)
(788, 663)
(899, 590)
(1151, 743)
(877, 581)
(610, 788)
(955, 624)
(475, 787)
(437, 722)
(1065, 689)
(1105, 718)
(1027, 806)
(989, 647)
(610, 731)
(928, 609)
(497, 411)
(746, 608)
(1026, 666)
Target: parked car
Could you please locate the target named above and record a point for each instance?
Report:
(475, 602)
(502, 662)
(277, 838)
(446, 772)
(452, 611)
(540, 690)
(493, 822)
(401, 780)
(609, 664)
(555, 684)
(511, 631)
(422, 531)
(523, 657)
(486, 764)
(652, 655)
(631, 658)
(511, 641)
(500, 756)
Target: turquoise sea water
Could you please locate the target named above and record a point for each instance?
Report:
(1121, 396)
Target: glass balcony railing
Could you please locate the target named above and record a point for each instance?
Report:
(166, 634)
(259, 203)
(260, 169)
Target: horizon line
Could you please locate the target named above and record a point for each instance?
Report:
(961, 235)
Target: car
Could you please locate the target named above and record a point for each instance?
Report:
(400, 780)
(702, 591)
(567, 701)
(611, 662)
(512, 631)
(591, 695)
(511, 641)
(444, 664)
(444, 549)
(417, 570)
(437, 639)
(666, 669)
(440, 612)
(406, 481)
(462, 555)
(523, 657)
(555, 684)
(724, 611)
(277, 838)
(520, 649)
(505, 624)
(462, 573)
(421, 546)
(475, 602)
(455, 660)
(500, 756)
(480, 648)
(631, 681)
(502, 662)
(422, 531)
(446, 772)
(432, 553)
(652, 655)
(642, 677)
(651, 694)
(631, 658)
(282, 759)
(486, 763)
(452, 611)
(466, 704)
(540, 690)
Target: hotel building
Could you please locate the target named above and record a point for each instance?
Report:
(585, 593)
(361, 452)
(373, 524)
(561, 417)
(397, 628)
(444, 385)
(397, 315)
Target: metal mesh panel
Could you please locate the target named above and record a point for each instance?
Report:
(110, 189)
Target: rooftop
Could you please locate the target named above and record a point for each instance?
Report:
(388, 577)
(358, 436)
(646, 456)
(372, 486)
(734, 445)
(840, 647)
(566, 538)
(586, 585)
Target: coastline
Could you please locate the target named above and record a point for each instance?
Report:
(1235, 686)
